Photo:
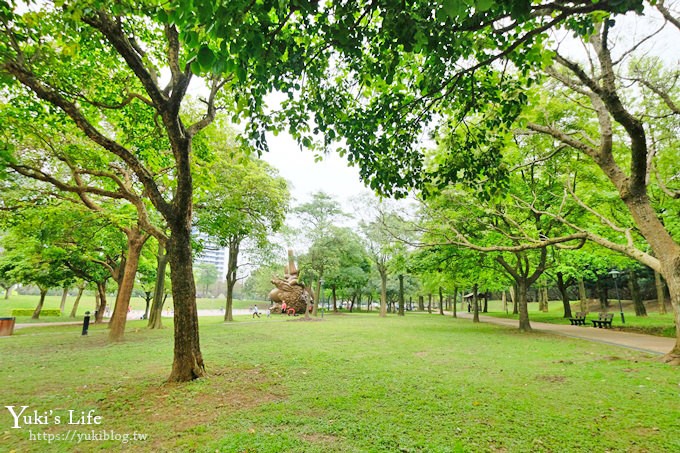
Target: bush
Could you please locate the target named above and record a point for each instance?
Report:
(29, 312)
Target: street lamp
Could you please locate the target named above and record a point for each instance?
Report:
(615, 275)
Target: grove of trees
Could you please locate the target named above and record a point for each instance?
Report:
(539, 138)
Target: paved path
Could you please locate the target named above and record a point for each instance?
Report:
(133, 315)
(640, 342)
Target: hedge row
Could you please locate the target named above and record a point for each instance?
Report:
(29, 312)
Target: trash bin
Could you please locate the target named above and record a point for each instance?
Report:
(6, 326)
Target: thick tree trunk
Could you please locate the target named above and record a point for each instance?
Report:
(673, 356)
(634, 289)
(156, 312)
(383, 292)
(522, 291)
(486, 302)
(429, 303)
(38, 308)
(188, 361)
(660, 293)
(232, 267)
(8, 290)
(74, 310)
(135, 242)
(565, 297)
(62, 304)
(421, 303)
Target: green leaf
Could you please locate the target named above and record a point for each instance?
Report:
(484, 5)
(454, 8)
(205, 57)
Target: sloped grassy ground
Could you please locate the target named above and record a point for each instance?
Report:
(348, 383)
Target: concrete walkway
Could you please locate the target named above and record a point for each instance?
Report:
(640, 342)
(132, 316)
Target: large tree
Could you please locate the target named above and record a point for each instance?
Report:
(101, 66)
(236, 214)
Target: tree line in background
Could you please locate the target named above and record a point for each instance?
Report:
(542, 148)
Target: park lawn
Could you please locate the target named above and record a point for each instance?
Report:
(348, 383)
(652, 324)
(87, 303)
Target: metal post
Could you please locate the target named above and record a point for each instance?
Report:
(86, 323)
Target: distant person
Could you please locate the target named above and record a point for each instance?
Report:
(284, 307)
(255, 312)
(269, 312)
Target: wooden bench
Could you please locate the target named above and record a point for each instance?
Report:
(579, 319)
(603, 320)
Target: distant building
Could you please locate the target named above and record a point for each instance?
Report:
(211, 253)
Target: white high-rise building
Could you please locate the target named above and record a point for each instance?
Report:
(212, 253)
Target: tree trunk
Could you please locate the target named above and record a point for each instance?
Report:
(156, 312)
(135, 241)
(486, 302)
(429, 303)
(147, 299)
(74, 310)
(582, 295)
(317, 297)
(455, 300)
(660, 293)
(565, 297)
(513, 296)
(187, 361)
(441, 301)
(504, 299)
(602, 295)
(8, 290)
(421, 303)
(544, 295)
(401, 295)
(522, 291)
(383, 292)
(232, 267)
(634, 288)
(62, 304)
(38, 308)
(335, 299)
(97, 303)
(475, 304)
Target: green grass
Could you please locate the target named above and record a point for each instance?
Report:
(652, 324)
(87, 303)
(349, 383)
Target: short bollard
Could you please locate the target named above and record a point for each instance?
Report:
(86, 322)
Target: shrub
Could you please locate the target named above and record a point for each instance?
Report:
(29, 312)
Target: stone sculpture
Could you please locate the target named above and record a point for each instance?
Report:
(290, 290)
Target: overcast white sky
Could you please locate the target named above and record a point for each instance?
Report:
(332, 175)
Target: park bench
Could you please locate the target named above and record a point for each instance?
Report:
(579, 319)
(603, 320)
